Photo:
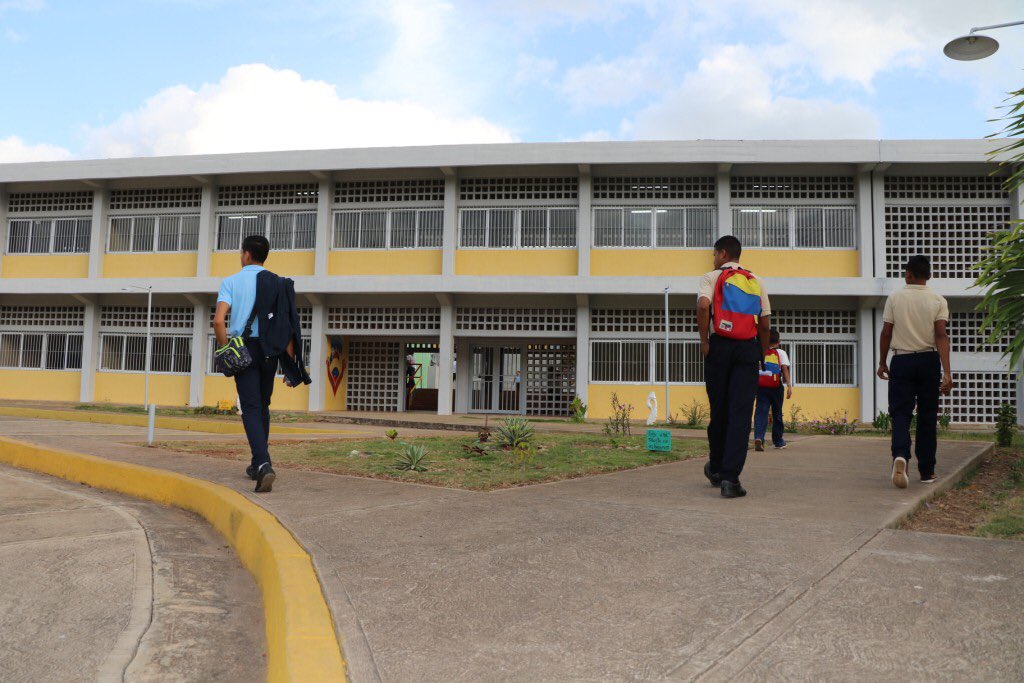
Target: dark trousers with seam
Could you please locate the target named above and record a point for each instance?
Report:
(914, 379)
(730, 377)
(255, 385)
(769, 398)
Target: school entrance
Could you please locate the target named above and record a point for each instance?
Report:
(522, 378)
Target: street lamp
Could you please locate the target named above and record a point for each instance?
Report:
(970, 47)
(149, 330)
(668, 411)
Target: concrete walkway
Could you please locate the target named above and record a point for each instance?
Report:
(646, 574)
(102, 587)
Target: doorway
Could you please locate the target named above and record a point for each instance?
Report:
(497, 380)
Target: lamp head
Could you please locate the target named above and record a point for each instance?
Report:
(971, 47)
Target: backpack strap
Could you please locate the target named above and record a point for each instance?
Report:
(247, 332)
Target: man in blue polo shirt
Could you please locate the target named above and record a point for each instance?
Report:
(255, 384)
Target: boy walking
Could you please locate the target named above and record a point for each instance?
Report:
(771, 378)
(732, 317)
(915, 330)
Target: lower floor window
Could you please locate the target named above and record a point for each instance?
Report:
(127, 353)
(821, 363)
(41, 350)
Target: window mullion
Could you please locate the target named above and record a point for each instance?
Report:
(791, 216)
(388, 227)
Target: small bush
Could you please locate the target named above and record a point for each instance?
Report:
(619, 421)
(944, 420)
(578, 410)
(484, 435)
(391, 434)
(514, 431)
(836, 424)
(413, 458)
(882, 422)
(523, 455)
(696, 413)
(1006, 424)
(795, 412)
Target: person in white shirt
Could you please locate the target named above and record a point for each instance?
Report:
(773, 379)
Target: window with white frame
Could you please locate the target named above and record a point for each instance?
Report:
(41, 350)
(388, 229)
(69, 235)
(286, 230)
(800, 227)
(642, 361)
(679, 227)
(517, 227)
(822, 363)
(126, 352)
(149, 234)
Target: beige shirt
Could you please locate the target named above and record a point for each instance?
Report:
(706, 289)
(913, 311)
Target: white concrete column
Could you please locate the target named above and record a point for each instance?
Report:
(881, 386)
(463, 374)
(583, 347)
(324, 227)
(450, 230)
(317, 357)
(584, 230)
(90, 349)
(446, 354)
(723, 193)
(3, 225)
(866, 360)
(207, 227)
(98, 232)
(201, 329)
(865, 222)
(878, 220)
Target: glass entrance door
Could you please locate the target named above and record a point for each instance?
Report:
(497, 381)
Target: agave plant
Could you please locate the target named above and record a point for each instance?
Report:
(413, 458)
(514, 432)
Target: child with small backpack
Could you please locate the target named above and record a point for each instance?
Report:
(773, 375)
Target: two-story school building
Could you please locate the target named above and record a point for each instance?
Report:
(494, 278)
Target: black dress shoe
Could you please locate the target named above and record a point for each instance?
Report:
(250, 472)
(715, 479)
(733, 489)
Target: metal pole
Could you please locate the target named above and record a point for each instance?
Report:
(152, 425)
(988, 28)
(149, 339)
(668, 410)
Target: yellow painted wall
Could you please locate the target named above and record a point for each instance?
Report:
(669, 262)
(281, 262)
(129, 387)
(46, 265)
(814, 402)
(149, 265)
(220, 388)
(40, 385)
(385, 262)
(516, 262)
(802, 262)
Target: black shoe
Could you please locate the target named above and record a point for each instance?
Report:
(250, 472)
(265, 478)
(733, 489)
(715, 479)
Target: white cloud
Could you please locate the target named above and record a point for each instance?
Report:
(532, 70)
(614, 82)
(257, 108)
(731, 96)
(15, 150)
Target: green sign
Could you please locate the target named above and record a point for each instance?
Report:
(659, 440)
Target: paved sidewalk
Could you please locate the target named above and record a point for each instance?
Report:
(645, 574)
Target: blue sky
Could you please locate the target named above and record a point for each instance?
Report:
(102, 79)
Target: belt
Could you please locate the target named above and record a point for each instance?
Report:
(898, 352)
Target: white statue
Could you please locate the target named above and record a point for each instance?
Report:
(652, 403)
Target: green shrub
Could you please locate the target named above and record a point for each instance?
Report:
(1006, 424)
(882, 422)
(944, 420)
(523, 455)
(836, 424)
(794, 418)
(391, 434)
(619, 421)
(514, 431)
(578, 410)
(413, 458)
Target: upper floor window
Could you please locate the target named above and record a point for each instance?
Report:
(388, 229)
(801, 227)
(517, 227)
(662, 227)
(49, 235)
(286, 230)
(142, 234)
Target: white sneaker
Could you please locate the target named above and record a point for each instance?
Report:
(899, 473)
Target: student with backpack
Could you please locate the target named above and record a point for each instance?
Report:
(770, 395)
(733, 320)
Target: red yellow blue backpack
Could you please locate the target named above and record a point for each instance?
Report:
(771, 376)
(736, 305)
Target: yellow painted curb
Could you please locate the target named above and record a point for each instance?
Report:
(301, 641)
(186, 424)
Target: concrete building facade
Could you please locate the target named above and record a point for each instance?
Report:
(534, 271)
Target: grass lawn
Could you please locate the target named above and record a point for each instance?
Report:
(559, 456)
(206, 412)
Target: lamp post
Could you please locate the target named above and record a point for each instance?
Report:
(149, 331)
(970, 47)
(668, 411)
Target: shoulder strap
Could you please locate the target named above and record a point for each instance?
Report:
(247, 332)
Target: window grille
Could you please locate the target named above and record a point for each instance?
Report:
(49, 202)
(944, 187)
(165, 318)
(49, 235)
(978, 395)
(41, 350)
(282, 194)
(685, 362)
(171, 354)
(550, 378)
(388, 229)
(379, 191)
(517, 189)
(822, 363)
(376, 319)
(966, 335)
(802, 227)
(515, 319)
(148, 234)
(676, 187)
(305, 318)
(953, 237)
(680, 227)
(642, 320)
(822, 323)
(643, 361)
(42, 316)
(287, 231)
(374, 375)
(792, 187)
(512, 228)
(159, 198)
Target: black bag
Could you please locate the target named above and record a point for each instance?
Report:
(234, 357)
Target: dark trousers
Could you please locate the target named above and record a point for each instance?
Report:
(730, 377)
(914, 378)
(255, 384)
(769, 398)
